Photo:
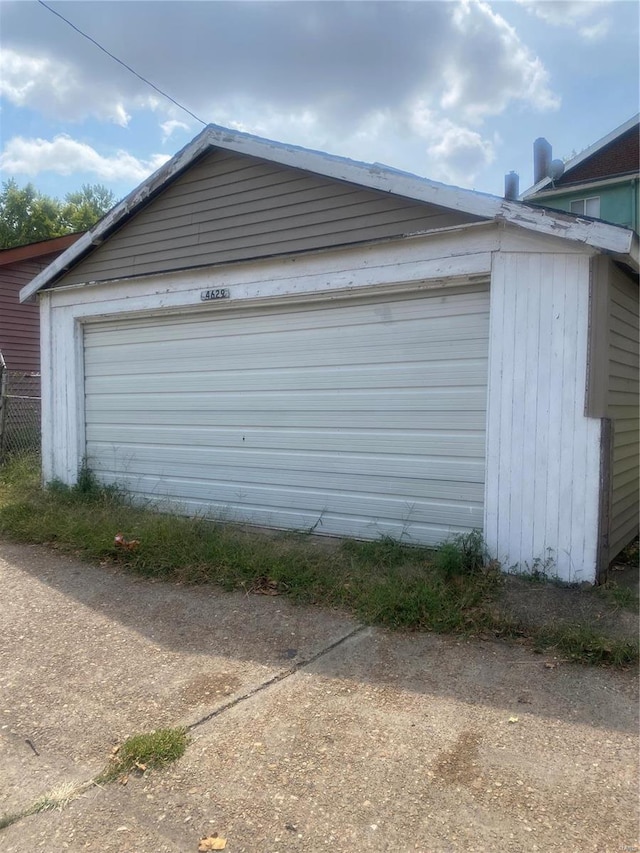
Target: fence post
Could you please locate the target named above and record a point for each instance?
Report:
(3, 403)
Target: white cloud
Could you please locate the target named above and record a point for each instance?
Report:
(456, 153)
(461, 154)
(65, 156)
(342, 60)
(493, 67)
(597, 31)
(576, 14)
(169, 127)
(55, 88)
(343, 77)
(447, 151)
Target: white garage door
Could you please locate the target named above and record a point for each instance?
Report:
(361, 417)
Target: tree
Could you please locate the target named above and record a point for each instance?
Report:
(83, 208)
(27, 215)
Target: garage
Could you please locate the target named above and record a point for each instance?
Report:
(362, 416)
(267, 334)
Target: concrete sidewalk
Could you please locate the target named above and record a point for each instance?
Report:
(310, 732)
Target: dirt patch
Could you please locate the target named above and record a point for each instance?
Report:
(460, 764)
(538, 605)
(206, 687)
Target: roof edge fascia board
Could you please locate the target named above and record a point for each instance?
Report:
(633, 255)
(129, 204)
(587, 186)
(373, 176)
(33, 251)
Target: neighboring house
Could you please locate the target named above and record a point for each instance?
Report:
(274, 335)
(601, 181)
(19, 323)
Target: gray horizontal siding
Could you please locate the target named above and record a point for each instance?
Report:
(624, 379)
(230, 207)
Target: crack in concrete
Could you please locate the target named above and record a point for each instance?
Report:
(277, 678)
(9, 819)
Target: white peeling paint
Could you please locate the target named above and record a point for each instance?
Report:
(543, 454)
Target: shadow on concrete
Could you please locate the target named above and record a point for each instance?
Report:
(275, 634)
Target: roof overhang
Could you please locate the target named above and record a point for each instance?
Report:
(583, 187)
(375, 176)
(33, 251)
(584, 155)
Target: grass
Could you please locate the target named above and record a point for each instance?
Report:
(381, 582)
(580, 643)
(145, 752)
(621, 596)
(140, 752)
(57, 798)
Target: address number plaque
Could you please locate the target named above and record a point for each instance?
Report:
(216, 293)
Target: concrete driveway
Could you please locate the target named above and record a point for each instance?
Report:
(310, 732)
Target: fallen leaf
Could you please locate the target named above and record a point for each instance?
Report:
(127, 544)
(551, 666)
(211, 842)
(268, 586)
(141, 767)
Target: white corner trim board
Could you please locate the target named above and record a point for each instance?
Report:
(543, 453)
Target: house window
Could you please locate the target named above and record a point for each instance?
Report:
(586, 207)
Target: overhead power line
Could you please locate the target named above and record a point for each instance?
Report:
(124, 64)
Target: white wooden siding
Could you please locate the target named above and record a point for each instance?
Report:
(623, 402)
(362, 418)
(231, 207)
(543, 457)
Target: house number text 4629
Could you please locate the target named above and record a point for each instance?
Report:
(217, 293)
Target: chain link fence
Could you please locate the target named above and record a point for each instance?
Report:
(19, 412)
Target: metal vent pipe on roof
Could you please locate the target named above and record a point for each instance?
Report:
(541, 159)
(511, 186)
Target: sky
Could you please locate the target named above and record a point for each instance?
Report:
(455, 90)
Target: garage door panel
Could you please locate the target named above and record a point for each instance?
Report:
(437, 490)
(329, 524)
(414, 331)
(241, 324)
(449, 346)
(423, 374)
(399, 400)
(439, 443)
(235, 497)
(422, 327)
(291, 420)
(280, 463)
(368, 414)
